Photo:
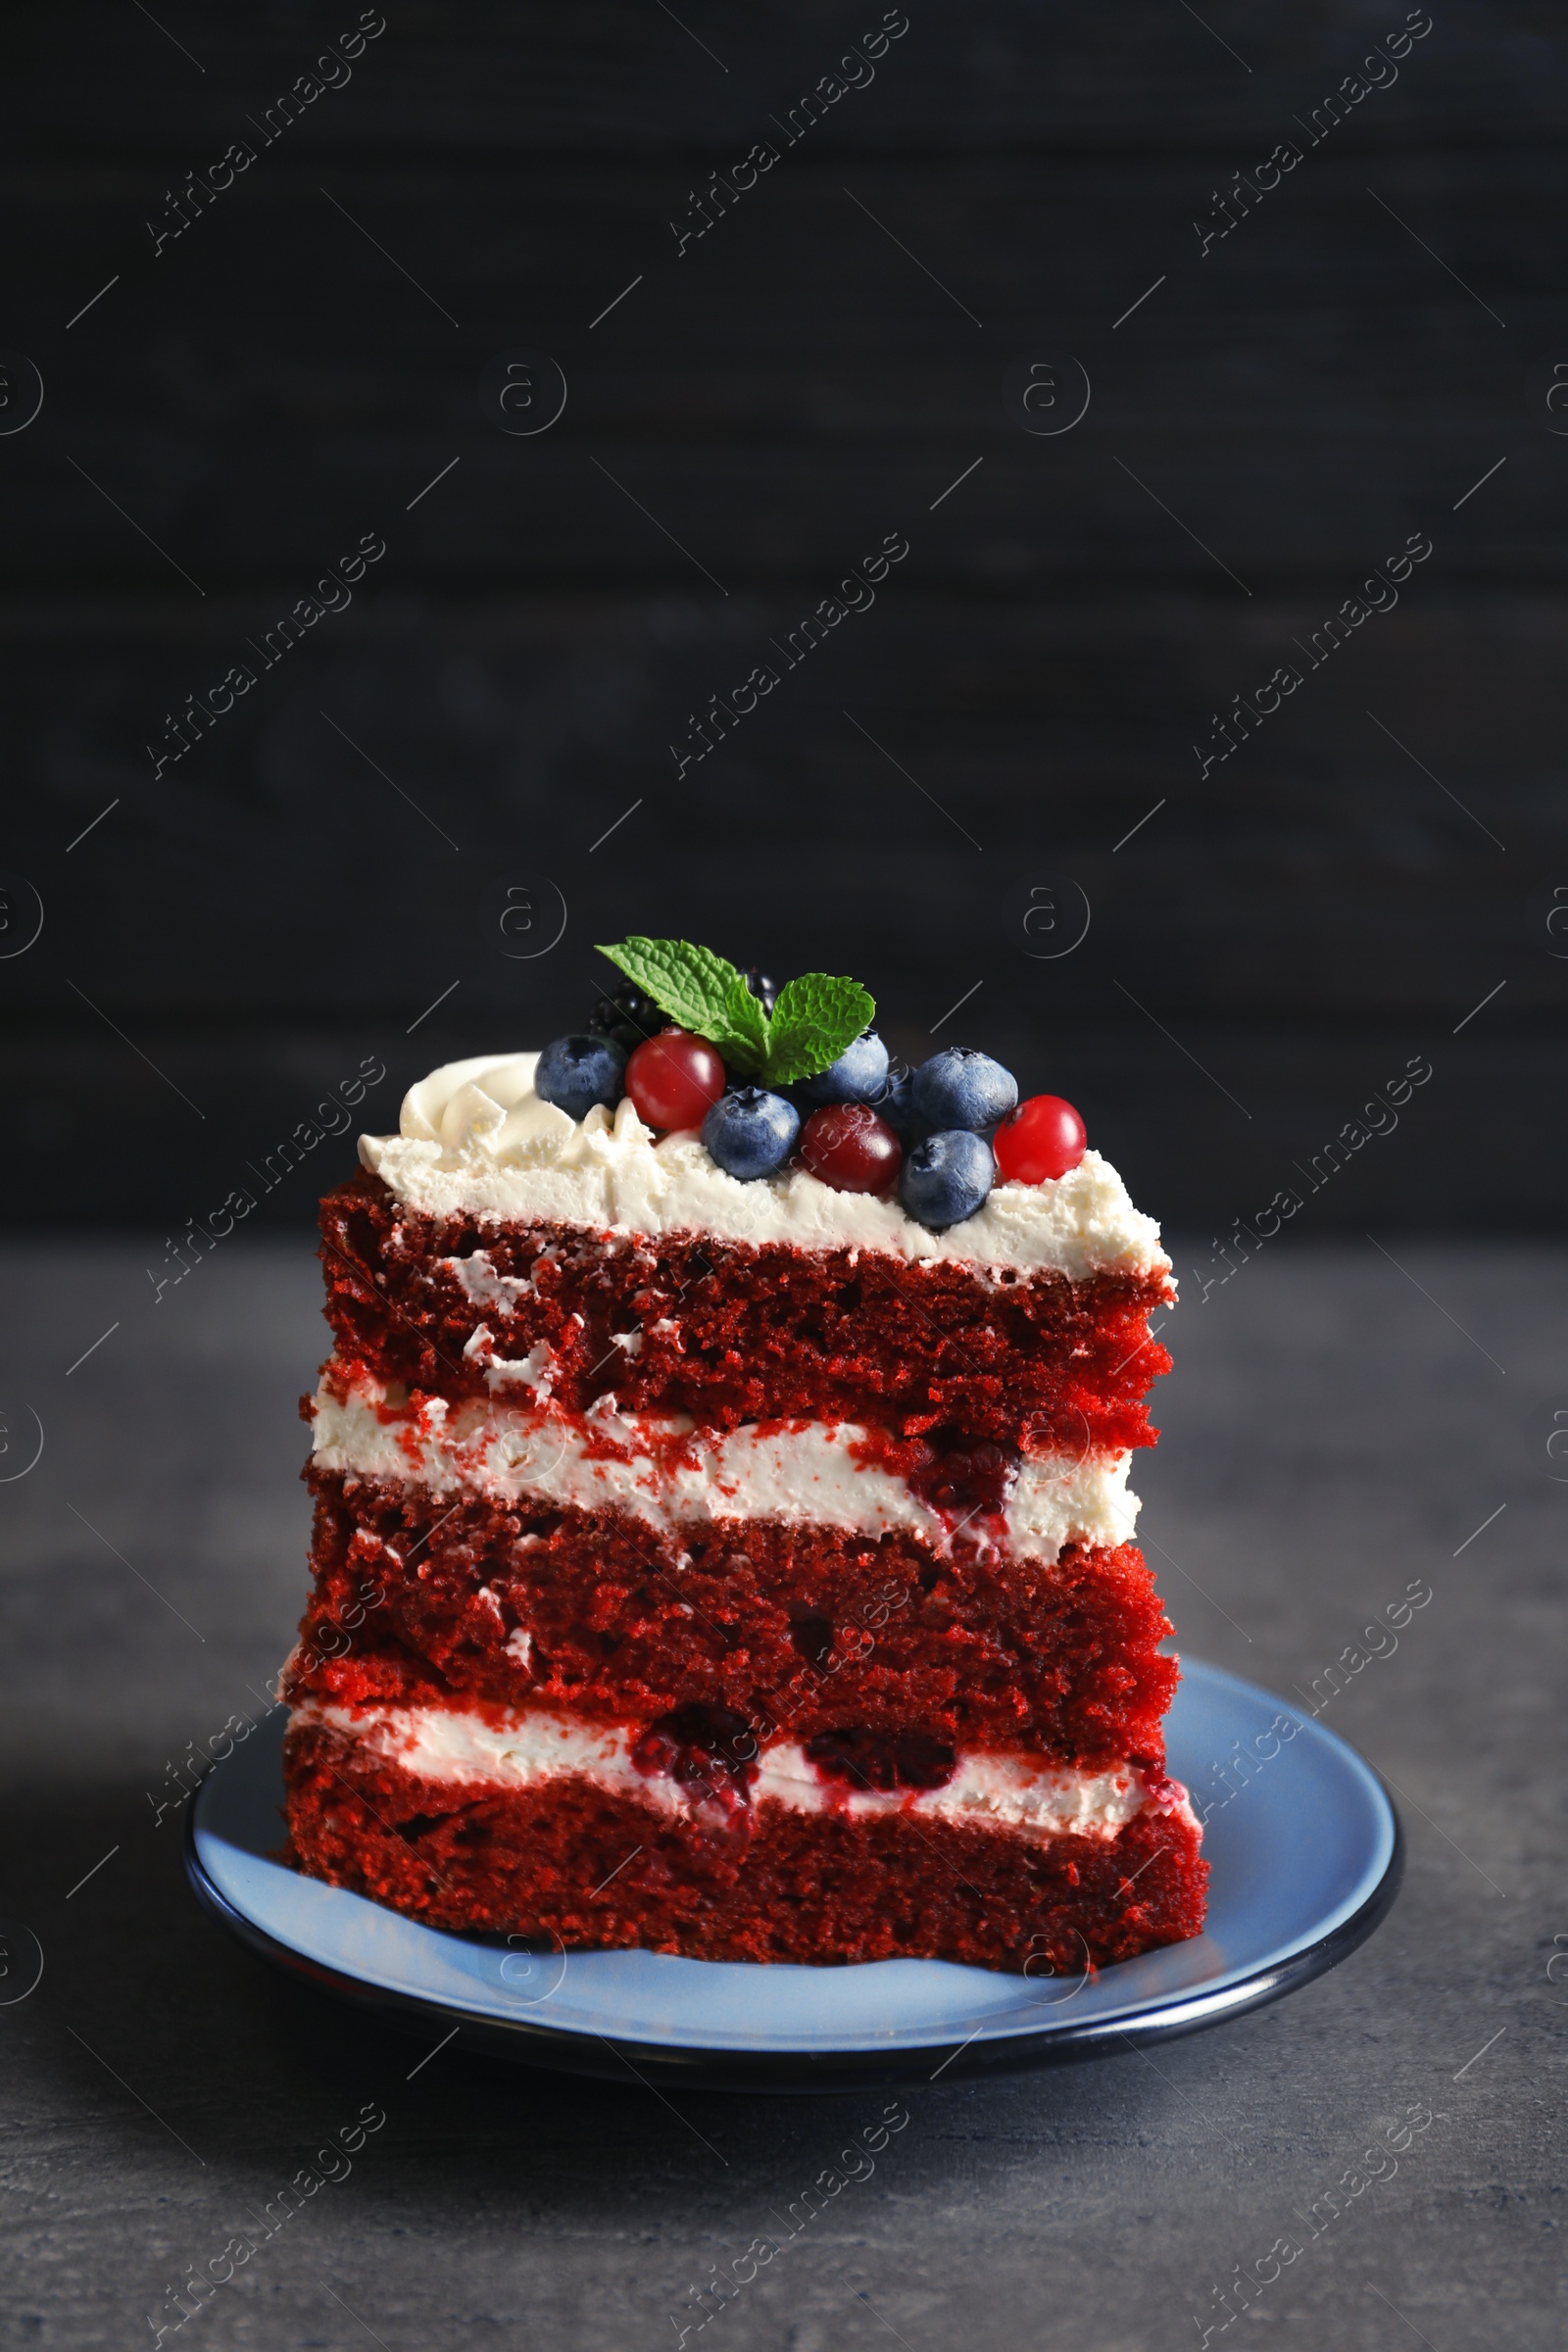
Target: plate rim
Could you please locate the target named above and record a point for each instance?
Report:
(580, 2050)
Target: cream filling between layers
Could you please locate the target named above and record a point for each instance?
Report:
(1010, 1791)
(475, 1140)
(664, 1472)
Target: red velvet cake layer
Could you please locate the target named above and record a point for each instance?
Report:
(572, 1862)
(806, 1629)
(732, 1332)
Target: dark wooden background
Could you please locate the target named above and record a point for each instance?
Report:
(1275, 942)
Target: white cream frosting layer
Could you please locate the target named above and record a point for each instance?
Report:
(1013, 1791)
(475, 1140)
(666, 1473)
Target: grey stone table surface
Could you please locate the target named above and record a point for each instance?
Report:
(1342, 1421)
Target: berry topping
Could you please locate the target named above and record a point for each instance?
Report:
(674, 1079)
(894, 1103)
(965, 1480)
(947, 1178)
(857, 1076)
(629, 1014)
(777, 1035)
(577, 1072)
(886, 1760)
(709, 1752)
(1044, 1138)
(750, 1132)
(961, 1088)
(851, 1149)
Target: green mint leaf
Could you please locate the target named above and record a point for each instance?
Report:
(744, 1044)
(701, 990)
(691, 984)
(815, 1018)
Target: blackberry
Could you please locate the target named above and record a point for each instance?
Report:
(627, 1014)
(764, 988)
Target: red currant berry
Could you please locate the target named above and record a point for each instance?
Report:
(674, 1079)
(1042, 1138)
(849, 1147)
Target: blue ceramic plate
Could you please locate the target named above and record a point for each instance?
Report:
(1305, 1860)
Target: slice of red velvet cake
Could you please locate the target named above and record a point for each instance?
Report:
(722, 1537)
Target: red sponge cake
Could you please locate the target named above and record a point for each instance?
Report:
(722, 1537)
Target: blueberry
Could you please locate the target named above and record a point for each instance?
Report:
(947, 1178)
(894, 1103)
(857, 1075)
(577, 1072)
(750, 1132)
(961, 1088)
